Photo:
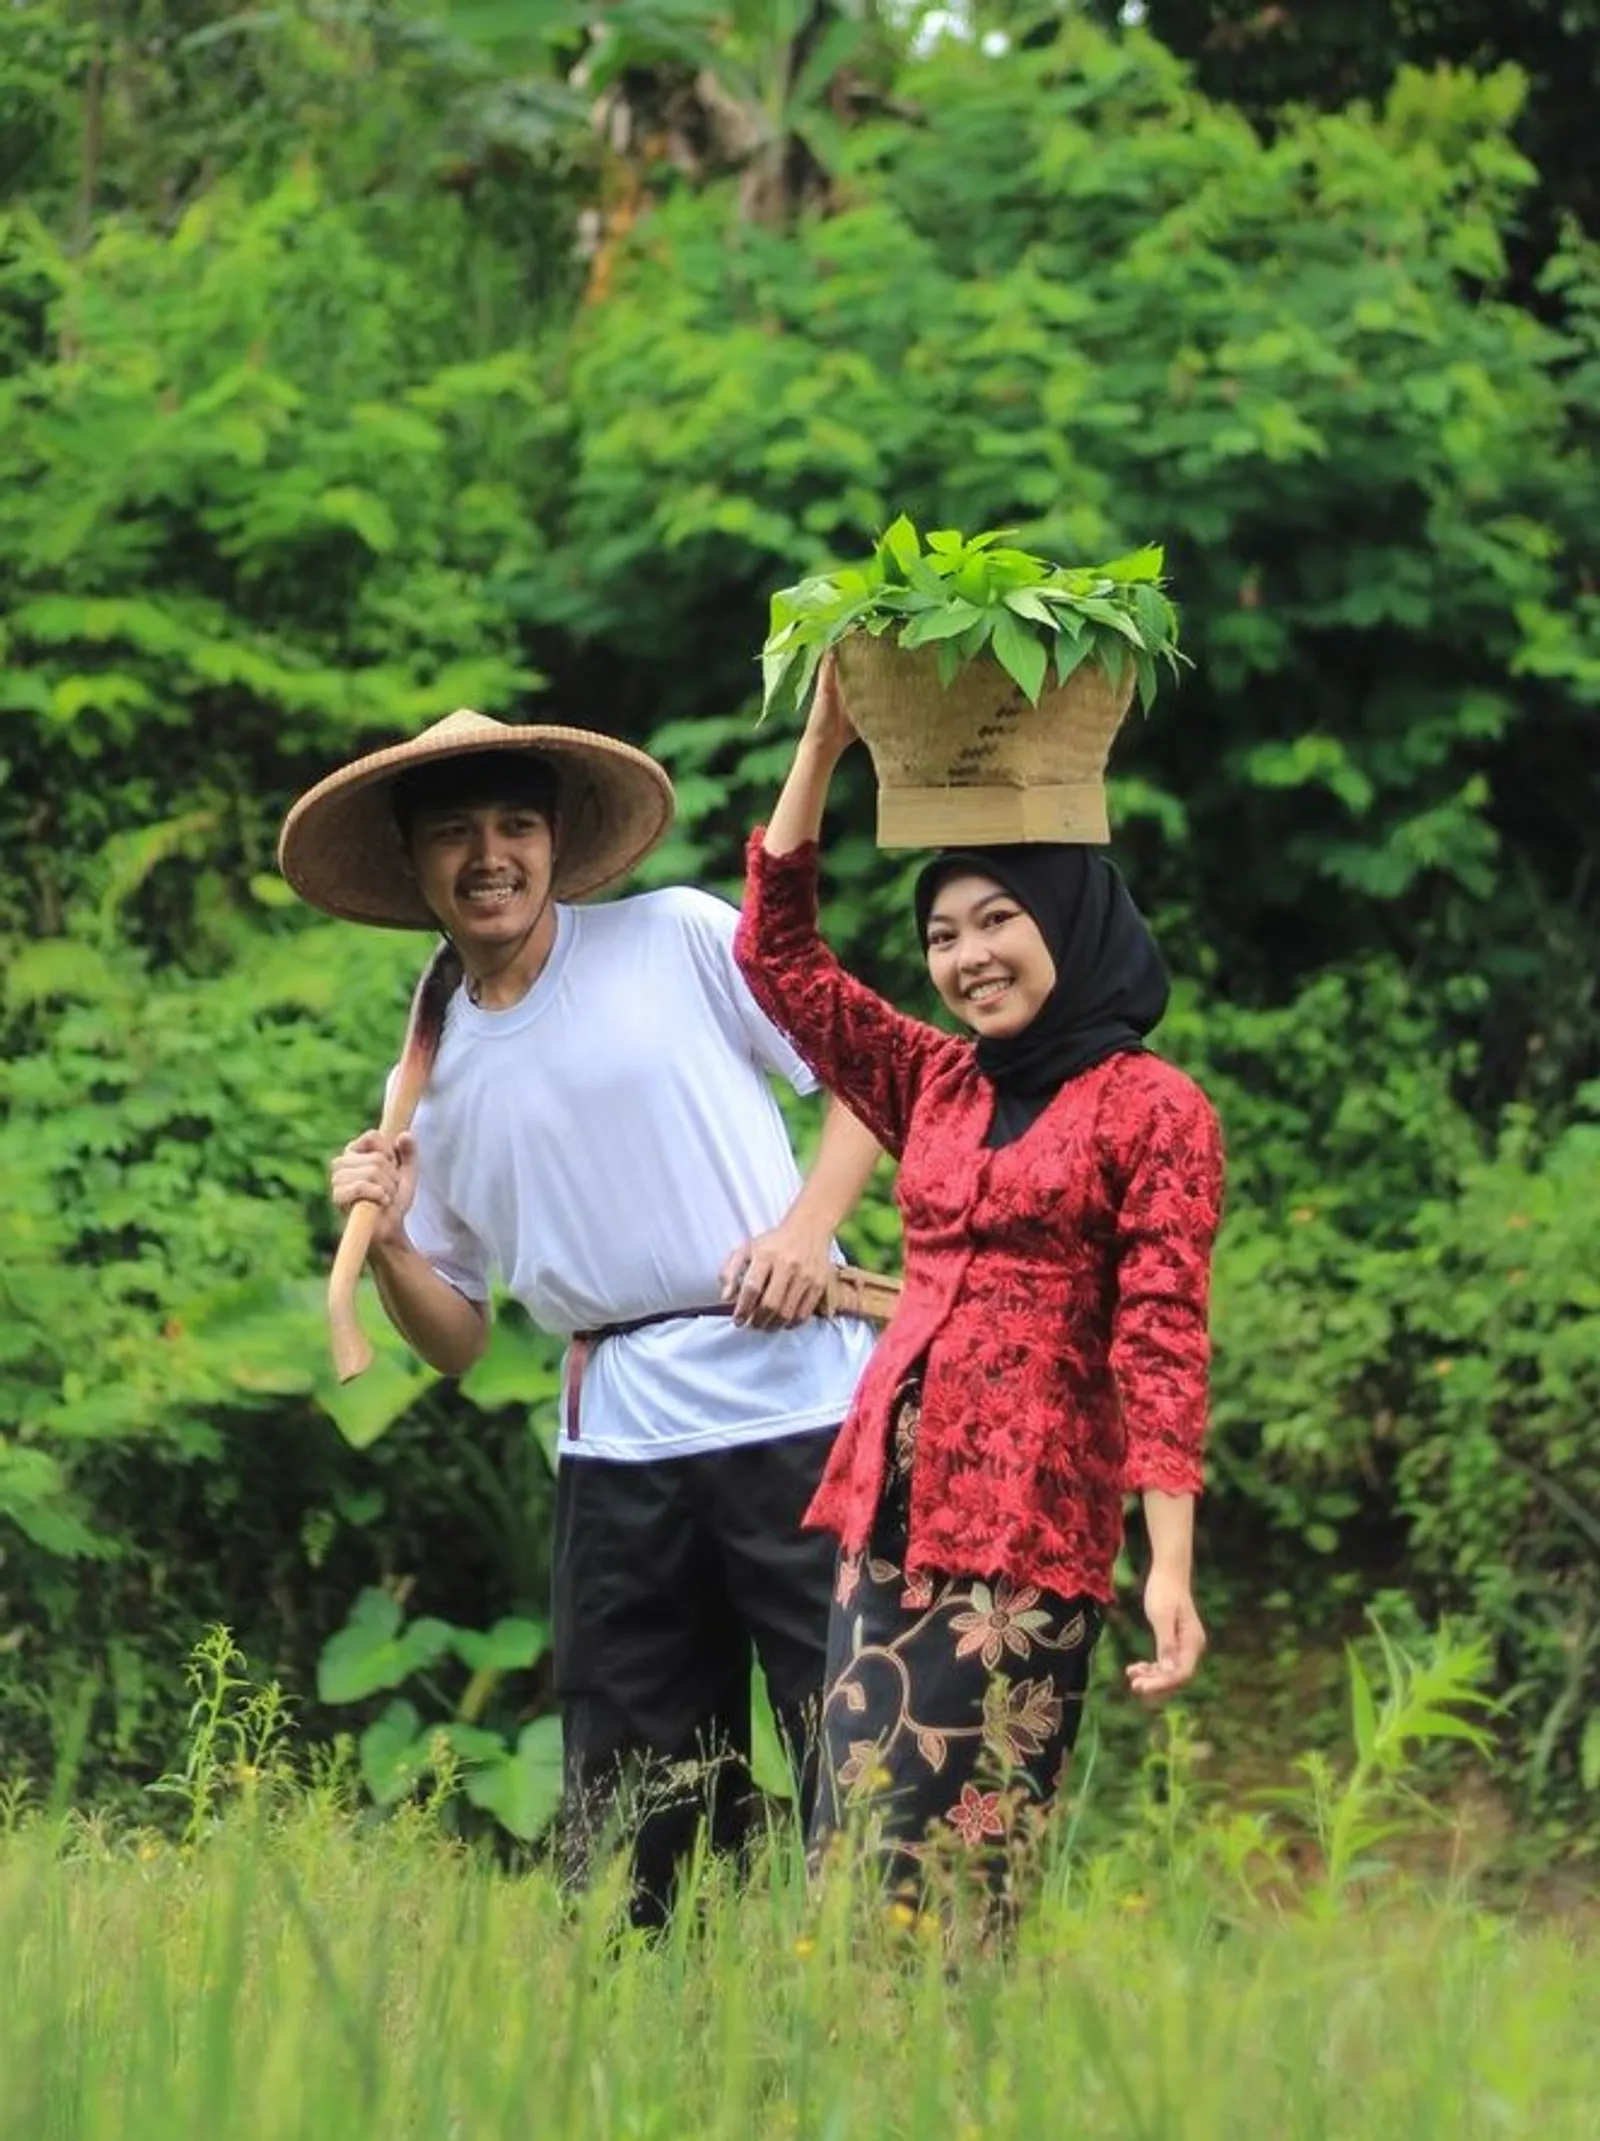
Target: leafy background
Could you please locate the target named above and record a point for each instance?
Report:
(367, 360)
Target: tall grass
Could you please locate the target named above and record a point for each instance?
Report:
(296, 1972)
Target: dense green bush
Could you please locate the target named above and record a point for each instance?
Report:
(310, 431)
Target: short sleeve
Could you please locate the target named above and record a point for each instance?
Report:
(449, 1245)
(441, 1235)
(712, 923)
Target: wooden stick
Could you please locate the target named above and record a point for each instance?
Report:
(352, 1350)
(854, 1292)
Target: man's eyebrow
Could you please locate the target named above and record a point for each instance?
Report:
(465, 810)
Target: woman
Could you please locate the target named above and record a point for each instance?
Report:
(1060, 1191)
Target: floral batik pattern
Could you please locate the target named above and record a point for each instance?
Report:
(951, 1703)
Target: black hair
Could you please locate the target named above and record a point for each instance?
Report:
(476, 778)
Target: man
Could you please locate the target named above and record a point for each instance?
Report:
(598, 1131)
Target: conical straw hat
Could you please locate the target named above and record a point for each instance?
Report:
(341, 847)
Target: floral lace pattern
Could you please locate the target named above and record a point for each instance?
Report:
(1056, 1289)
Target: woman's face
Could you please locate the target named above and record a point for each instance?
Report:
(987, 957)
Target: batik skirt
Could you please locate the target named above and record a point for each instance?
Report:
(950, 1704)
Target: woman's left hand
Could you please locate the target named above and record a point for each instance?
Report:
(1180, 1638)
(778, 1279)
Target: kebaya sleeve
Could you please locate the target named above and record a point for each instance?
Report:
(1170, 1209)
(872, 1056)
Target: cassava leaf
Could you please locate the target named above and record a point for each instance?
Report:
(1025, 603)
(945, 623)
(899, 543)
(1023, 656)
(1142, 565)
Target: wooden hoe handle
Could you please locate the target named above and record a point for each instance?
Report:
(352, 1349)
(854, 1292)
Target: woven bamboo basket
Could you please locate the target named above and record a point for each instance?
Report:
(972, 763)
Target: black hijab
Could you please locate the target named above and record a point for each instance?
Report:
(1110, 988)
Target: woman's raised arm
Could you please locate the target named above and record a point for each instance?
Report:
(872, 1056)
(828, 734)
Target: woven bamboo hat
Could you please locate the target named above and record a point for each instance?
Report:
(341, 847)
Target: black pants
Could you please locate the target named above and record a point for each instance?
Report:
(669, 1576)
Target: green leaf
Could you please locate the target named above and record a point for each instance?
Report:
(523, 1790)
(1145, 670)
(394, 1754)
(1023, 657)
(770, 1770)
(1026, 603)
(776, 669)
(1146, 564)
(372, 1651)
(1071, 654)
(1108, 614)
(939, 624)
(1016, 568)
(366, 1408)
(1069, 621)
(472, 1745)
(511, 1645)
(1155, 617)
(899, 543)
(519, 1366)
(1363, 1710)
(925, 579)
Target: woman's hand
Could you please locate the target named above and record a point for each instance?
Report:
(1180, 1637)
(829, 728)
(829, 732)
(778, 1279)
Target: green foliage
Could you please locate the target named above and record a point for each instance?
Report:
(1362, 464)
(512, 1774)
(1430, 1367)
(1263, 58)
(1377, 1801)
(973, 596)
(235, 1741)
(361, 361)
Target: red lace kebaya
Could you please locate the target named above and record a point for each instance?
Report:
(1056, 1288)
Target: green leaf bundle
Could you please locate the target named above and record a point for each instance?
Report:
(971, 596)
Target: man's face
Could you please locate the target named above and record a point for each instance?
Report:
(484, 870)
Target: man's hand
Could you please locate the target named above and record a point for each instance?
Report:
(778, 1279)
(374, 1169)
(1180, 1638)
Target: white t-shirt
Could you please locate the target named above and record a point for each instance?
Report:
(602, 1146)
